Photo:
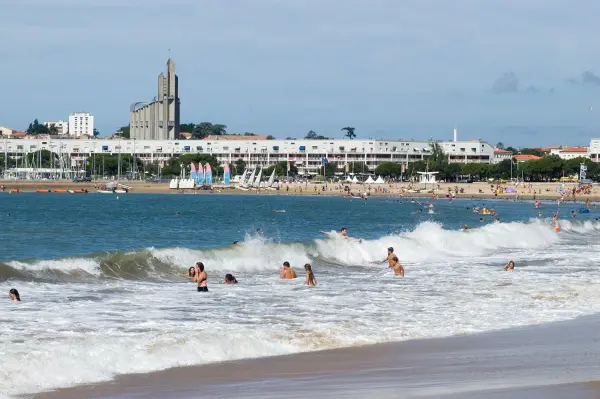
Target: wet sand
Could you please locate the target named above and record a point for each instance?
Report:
(543, 191)
(554, 360)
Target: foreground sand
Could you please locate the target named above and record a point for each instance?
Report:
(544, 191)
(542, 361)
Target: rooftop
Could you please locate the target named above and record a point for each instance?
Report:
(522, 157)
(575, 149)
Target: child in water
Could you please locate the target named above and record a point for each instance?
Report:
(510, 267)
(14, 295)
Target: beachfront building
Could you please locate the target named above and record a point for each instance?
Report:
(62, 127)
(571, 152)
(159, 118)
(501, 155)
(307, 155)
(594, 150)
(81, 123)
(6, 131)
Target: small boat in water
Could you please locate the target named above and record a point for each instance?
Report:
(43, 191)
(105, 191)
(14, 191)
(60, 190)
(78, 191)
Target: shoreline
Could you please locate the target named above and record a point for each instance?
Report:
(538, 361)
(480, 190)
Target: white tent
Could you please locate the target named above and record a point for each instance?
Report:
(348, 179)
(355, 180)
(427, 177)
(379, 180)
(369, 180)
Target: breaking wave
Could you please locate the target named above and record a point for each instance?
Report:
(428, 241)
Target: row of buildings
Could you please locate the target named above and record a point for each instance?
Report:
(80, 124)
(307, 155)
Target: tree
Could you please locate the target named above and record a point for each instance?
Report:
(187, 127)
(269, 137)
(124, 131)
(53, 130)
(312, 135)
(238, 167)
(96, 132)
(37, 128)
(205, 129)
(349, 132)
(330, 169)
(281, 169)
(392, 169)
(357, 167)
(108, 164)
(291, 138)
(511, 149)
(500, 145)
(46, 157)
(532, 151)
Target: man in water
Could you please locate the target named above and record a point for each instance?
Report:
(344, 234)
(287, 273)
(390, 255)
(395, 264)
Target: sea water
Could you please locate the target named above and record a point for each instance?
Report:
(102, 291)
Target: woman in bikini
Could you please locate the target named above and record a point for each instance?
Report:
(201, 277)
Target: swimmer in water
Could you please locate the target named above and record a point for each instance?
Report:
(14, 295)
(539, 214)
(395, 264)
(344, 234)
(390, 255)
(480, 220)
(573, 213)
(191, 272)
(230, 279)
(287, 273)
(201, 277)
(311, 280)
(510, 266)
(465, 227)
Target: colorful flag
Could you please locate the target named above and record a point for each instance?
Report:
(226, 173)
(325, 161)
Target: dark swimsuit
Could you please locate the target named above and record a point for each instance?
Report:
(202, 289)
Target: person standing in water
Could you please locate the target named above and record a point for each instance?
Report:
(14, 295)
(201, 277)
(390, 255)
(510, 266)
(311, 280)
(344, 234)
(395, 264)
(287, 273)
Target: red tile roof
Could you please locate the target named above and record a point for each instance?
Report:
(501, 151)
(522, 157)
(235, 137)
(575, 149)
(19, 134)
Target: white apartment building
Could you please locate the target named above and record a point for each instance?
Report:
(62, 127)
(501, 155)
(594, 150)
(306, 155)
(81, 123)
(571, 152)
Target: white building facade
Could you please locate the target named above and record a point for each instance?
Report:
(81, 123)
(501, 155)
(306, 155)
(571, 152)
(62, 127)
(594, 150)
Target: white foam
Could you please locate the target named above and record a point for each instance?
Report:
(454, 284)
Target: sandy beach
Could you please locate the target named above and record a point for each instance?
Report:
(543, 191)
(541, 361)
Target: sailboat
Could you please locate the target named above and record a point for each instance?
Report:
(245, 185)
(271, 181)
(257, 181)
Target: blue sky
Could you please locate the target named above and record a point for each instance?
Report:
(524, 73)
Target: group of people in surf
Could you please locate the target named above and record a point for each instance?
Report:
(198, 273)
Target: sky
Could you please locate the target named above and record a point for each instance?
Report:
(521, 72)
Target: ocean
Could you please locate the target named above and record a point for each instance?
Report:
(102, 291)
